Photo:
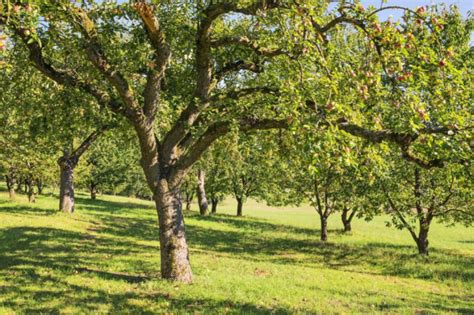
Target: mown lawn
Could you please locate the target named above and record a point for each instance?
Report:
(105, 259)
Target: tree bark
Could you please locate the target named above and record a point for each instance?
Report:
(214, 202)
(324, 228)
(39, 185)
(10, 180)
(174, 249)
(240, 205)
(201, 193)
(189, 195)
(66, 186)
(93, 190)
(30, 190)
(347, 219)
(422, 241)
(19, 184)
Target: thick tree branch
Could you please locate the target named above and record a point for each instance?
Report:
(403, 140)
(237, 66)
(246, 42)
(88, 141)
(220, 129)
(204, 68)
(99, 60)
(64, 77)
(161, 56)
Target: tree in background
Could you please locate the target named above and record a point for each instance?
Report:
(327, 169)
(201, 191)
(415, 197)
(250, 168)
(218, 165)
(188, 190)
(50, 117)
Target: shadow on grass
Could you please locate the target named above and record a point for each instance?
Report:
(25, 251)
(25, 209)
(107, 205)
(34, 263)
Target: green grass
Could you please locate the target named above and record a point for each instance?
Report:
(105, 259)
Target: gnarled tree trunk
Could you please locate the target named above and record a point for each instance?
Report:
(10, 180)
(66, 186)
(67, 163)
(201, 193)
(174, 249)
(214, 202)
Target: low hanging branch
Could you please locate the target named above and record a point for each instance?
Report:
(402, 140)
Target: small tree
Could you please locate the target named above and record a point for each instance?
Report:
(416, 196)
(218, 167)
(250, 170)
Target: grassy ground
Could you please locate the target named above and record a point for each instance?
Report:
(105, 259)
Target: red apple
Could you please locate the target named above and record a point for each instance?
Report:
(420, 10)
(421, 113)
(330, 106)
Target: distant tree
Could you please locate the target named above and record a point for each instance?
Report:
(201, 191)
(415, 197)
(188, 190)
(218, 166)
(250, 168)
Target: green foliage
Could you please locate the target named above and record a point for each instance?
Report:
(444, 193)
(112, 166)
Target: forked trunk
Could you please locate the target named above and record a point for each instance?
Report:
(174, 249)
(66, 187)
(240, 205)
(347, 219)
(214, 202)
(10, 180)
(324, 228)
(201, 193)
